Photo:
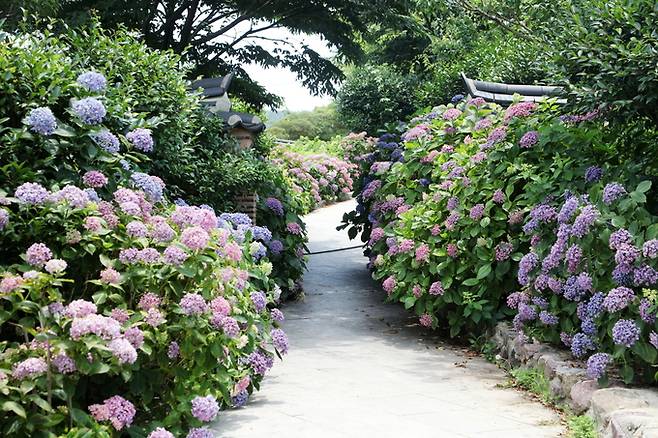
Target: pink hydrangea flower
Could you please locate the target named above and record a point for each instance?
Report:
(94, 179)
(195, 238)
(117, 410)
(38, 254)
(110, 276)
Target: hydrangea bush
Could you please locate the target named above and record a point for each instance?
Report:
(589, 282)
(170, 319)
(445, 205)
(317, 178)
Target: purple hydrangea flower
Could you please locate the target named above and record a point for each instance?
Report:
(193, 304)
(174, 255)
(596, 365)
(141, 138)
(31, 367)
(92, 81)
(123, 350)
(612, 192)
(581, 344)
(650, 248)
(260, 362)
(152, 186)
(240, 399)
(259, 299)
(200, 432)
(645, 275)
(229, 326)
(117, 410)
(205, 408)
(619, 237)
(106, 140)
(90, 110)
(477, 212)
(277, 315)
(64, 364)
(529, 139)
(275, 205)
(498, 197)
(646, 313)
(280, 340)
(568, 209)
(31, 194)
(173, 350)
(626, 254)
(618, 299)
(160, 432)
(38, 254)
(581, 226)
(276, 247)
(593, 174)
(42, 121)
(548, 318)
(526, 265)
(625, 332)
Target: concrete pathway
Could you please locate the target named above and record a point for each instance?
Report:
(358, 368)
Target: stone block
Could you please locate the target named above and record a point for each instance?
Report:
(581, 395)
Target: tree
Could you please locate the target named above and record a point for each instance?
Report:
(221, 36)
(320, 123)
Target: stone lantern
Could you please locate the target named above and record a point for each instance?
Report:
(241, 126)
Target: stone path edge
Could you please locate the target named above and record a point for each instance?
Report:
(619, 411)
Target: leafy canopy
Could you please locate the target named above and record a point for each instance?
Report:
(221, 36)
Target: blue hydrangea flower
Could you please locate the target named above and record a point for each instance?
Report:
(42, 121)
(90, 110)
(148, 184)
(457, 98)
(106, 140)
(92, 81)
(240, 399)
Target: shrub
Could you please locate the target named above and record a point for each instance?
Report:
(316, 178)
(589, 280)
(445, 212)
(160, 305)
(354, 149)
(118, 312)
(279, 210)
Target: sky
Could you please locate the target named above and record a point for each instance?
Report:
(283, 82)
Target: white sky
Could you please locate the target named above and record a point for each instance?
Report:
(282, 81)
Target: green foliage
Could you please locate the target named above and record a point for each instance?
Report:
(220, 37)
(372, 97)
(321, 123)
(581, 426)
(607, 53)
(534, 381)
(307, 146)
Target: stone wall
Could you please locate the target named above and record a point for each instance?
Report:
(619, 411)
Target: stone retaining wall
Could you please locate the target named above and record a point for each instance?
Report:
(619, 411)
